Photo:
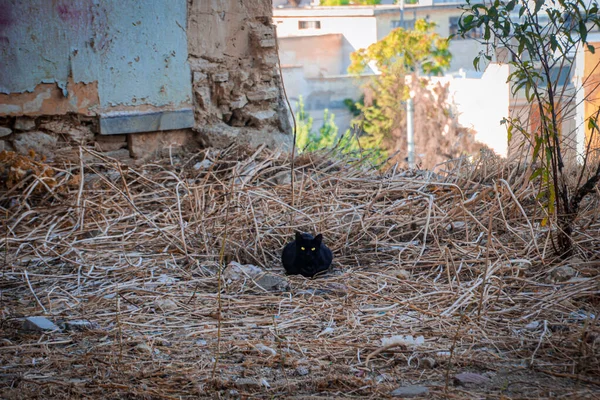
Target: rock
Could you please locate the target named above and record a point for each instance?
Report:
(148, 144)
(247, 383)
(563, 273)
(5, 131)
(261, 118)
(470, 378)
(236, 271)
(144, 348)
(269, 59)
(119, 155)
(80, 134)
(401, 340)
(302, 371)
(111, 142)
(81, 325)
(39, 324)
(166, 304)
(267, 43)
(263, 94)
(220, 76)
(4, 146)
(200, 77)
(239, 102)
(272, 283)
(24, 124)
(456, 226)
(203, 97)
(204, 164)
(41, 143)
(265, 349)
(408, 392)
(427, 362)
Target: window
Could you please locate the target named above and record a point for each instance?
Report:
(476, 33)
(309, 24)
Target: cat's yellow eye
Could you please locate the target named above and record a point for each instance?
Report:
(302, 248)
(314, 248)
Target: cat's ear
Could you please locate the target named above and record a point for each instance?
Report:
(298, 236)
(319, 238)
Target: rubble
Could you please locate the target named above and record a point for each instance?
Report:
(408, 392)
(5, 131)
(24, 124)
(40, 142)
(39, 324)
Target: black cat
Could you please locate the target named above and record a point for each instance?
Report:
(306, 256)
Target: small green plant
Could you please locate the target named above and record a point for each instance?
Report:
(541, 38)
(327, 138)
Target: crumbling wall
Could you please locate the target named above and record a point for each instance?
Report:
(237, 86)
(233, 80)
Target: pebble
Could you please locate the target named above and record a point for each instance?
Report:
(39, 324)
(407, 392)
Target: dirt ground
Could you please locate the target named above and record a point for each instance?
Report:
(421, 293)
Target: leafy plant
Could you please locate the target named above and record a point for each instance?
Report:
(402, 52)
(541, 38)
(327, 138)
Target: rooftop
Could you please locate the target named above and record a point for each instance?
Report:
(354, 11)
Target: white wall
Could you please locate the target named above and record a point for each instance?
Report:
(360, 32)
(481, 103)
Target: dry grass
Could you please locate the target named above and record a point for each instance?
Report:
(458, 257)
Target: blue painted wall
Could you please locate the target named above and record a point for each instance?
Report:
(135, 50)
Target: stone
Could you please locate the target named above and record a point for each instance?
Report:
(470, 378)
(166, 304)
(247, 383)
(199, 77)
(236, 271)
(81, 325)
(111, 142)
(272, 283)
(39, 324)
(41, 143)
(203, 97)
(146, 145)
(270, 59)
(24, 124)
(302, 371)
(427, 362)
(119, 155)
(261, 118)
(4, 146)
(265, 349)
(408, 392)
(220, 76)
(5, 131)
(267, 42)
(563, 273)
(79, 134)
(238, 102)
(263, 94)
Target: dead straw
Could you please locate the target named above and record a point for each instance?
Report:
(414, 250)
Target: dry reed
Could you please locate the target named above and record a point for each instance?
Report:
(458, 256)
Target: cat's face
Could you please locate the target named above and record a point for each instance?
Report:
(308, 249)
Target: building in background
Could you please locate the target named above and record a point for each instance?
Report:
(315, 44)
